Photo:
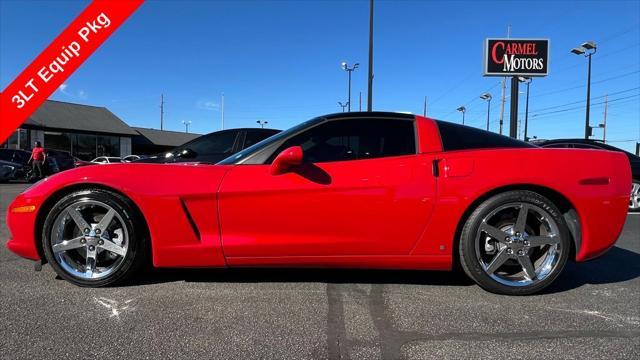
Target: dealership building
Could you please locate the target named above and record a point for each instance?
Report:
(90, 131)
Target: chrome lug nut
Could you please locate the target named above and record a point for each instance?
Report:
(91, 248)
(509, 251)
(100, 242)
(97, 231)
(526, 243)
(82, 241)
(520, 252)
(86, 231)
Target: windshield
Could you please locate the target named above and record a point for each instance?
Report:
(237, 157)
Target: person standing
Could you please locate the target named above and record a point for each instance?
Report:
(38, 156)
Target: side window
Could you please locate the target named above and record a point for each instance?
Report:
(558, 145)
(253, 137)
(218, 143)
(100, 160)
(355, 139)
(584, 146)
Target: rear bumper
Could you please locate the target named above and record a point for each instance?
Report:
(21, 229)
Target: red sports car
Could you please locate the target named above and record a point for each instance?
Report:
(366, 190)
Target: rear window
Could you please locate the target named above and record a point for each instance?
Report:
(460, 137)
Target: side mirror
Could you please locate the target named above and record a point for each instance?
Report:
(288, 158)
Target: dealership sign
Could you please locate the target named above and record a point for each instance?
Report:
(511, 57)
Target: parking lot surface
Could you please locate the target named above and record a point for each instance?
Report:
(592, 311)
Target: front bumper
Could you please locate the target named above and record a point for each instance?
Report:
(21, 228)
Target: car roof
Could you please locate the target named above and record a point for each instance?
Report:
(363, 114)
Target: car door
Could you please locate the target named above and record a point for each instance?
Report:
(362, 190)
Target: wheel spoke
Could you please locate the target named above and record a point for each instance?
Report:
(494, 232)
(78, 219)
(527, 267)
(543, 240)
(90, 267)
(113, 247)
(521, 222)
(498, 261)
(68, 245)
(106, 220)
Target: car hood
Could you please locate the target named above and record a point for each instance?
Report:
(133, 178)
(10, 163)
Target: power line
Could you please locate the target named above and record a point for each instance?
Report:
(582, 107)
(581, 101)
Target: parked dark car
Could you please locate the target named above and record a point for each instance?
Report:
(634, 161)
(20, 161)
(212, 147)
(64, 159)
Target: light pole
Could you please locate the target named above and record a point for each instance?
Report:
(587, 49)
(526, 80)
(488, 97)
(186, 125)
(262, 123)
(349, 70)
(463, 110)
(342, 105)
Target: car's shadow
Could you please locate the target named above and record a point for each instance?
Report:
(618, 265)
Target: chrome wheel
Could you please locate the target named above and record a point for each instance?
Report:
(634, 201)
(518, 244)
(89, 239)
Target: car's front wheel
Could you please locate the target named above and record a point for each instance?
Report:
(514, 243)
(93, 238)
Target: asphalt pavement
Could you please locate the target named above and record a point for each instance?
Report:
(592, 311)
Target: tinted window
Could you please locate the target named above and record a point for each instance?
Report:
(586, 146)
(460, 137)
(354, 140)
(255, 136)
(6, 155)
(218, 143)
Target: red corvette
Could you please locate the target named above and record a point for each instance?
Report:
(367, 190)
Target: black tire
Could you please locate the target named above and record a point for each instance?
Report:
(136, 254)
(470, 237)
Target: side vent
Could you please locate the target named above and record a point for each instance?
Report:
(191, 222)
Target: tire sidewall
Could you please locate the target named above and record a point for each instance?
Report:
(124, 209)
(467, 249)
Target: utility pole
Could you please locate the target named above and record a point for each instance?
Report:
(161, 111)
(604, 125)
(504, 91)
(370, 89)
(343, 106)
(360, 101)
(222, 111)
(513, 116)
(424, 110)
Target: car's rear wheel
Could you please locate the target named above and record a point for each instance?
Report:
(514, 243)
(634, 201)
(93, 238)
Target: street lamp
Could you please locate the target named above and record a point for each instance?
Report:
(587, 49)
(342, 105)
(487, 97)
(186, 125)
(349, 70)
(463, 110)
(526, 80)
(262, 123)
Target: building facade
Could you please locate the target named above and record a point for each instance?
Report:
(88, 132)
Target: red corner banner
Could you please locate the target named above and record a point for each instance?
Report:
(59, 60)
